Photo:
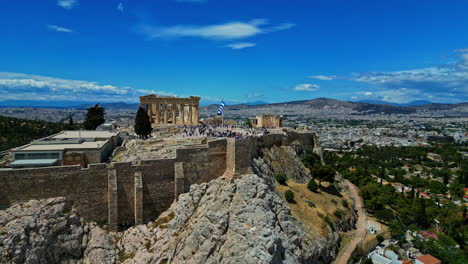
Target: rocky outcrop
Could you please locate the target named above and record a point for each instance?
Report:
(245, 221)
(48, 231)
(283, 160)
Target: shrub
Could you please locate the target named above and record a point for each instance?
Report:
(281, 179)
(311, 204)
(344, 202)
(334, 202)
(289, 196)
(312, 186)
(380, 238)
(339, 213)
(329, 222)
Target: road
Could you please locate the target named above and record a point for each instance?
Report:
(360, 231)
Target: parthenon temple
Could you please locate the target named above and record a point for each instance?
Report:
(165, 110)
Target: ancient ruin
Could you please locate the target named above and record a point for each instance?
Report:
(267, 121)
(165, 110)
(129, 193)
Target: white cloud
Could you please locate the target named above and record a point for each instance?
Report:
(241, 45)
(120, 7)
(67, 4)
(323, 77)
(225, 31)
(59, 29)
(306, 87)
(43, 87)
(442, 83)
(254, 95)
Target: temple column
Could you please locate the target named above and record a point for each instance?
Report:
(165, 113)
(190, 115)
(158, 114)
(174, 118)
(149, 110)
(182, 114)
(196, 116)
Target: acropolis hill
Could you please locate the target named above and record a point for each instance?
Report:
(188, 194)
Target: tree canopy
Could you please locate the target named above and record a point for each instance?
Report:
(94, 117)
(142, 124)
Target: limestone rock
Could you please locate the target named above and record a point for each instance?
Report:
(245, 221)
(48, 231)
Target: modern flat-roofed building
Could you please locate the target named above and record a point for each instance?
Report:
(67, 148)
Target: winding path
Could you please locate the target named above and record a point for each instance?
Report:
(360, 232)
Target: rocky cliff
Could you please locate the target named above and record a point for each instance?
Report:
(243, 221)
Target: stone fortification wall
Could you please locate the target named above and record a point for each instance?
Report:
(88, 186)
(125, 193)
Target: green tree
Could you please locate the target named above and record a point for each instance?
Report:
(446, 250)
(323, 173)
(312, 186)
(289, 196)
(142, 124)
(94, 117)
(281, 178)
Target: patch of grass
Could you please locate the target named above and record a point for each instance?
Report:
(329, 222)
(303, 211)
(311, 204)
(148, 245)
(345, 203)
(339, 213)
(162, 220)
(123, 256)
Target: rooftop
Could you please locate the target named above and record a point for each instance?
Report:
(84, 134)
(428, 259)
(45, 147)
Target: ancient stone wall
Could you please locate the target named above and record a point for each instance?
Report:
(86, 186)
(122, 193)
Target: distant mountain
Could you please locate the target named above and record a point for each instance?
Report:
(115, 106)
(38, 103)
(412, 103)
(256, 103)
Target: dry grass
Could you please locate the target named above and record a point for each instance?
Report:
(162, 220)
(308, 215)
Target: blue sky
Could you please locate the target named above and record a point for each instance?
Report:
(240, 50)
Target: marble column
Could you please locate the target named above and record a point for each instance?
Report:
(165, 113)
(158, 113)
(190, 115)
(174, 119)
(181, 114)
(195, 115)
(149, 110)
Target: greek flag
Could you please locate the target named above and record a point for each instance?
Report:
(220, 108)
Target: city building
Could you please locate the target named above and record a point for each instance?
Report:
(67, 148)
(267, 121)
(165, 110)
(427, 259)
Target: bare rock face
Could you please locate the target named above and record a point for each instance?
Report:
(46, 231)
(284, 160)
(245, 221)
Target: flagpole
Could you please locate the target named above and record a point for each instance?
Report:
(222, 114)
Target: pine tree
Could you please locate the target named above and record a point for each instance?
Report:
(94, 117)
(142, 124)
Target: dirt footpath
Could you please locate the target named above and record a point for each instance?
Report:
(360, 232)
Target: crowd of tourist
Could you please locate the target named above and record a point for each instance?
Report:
(222, 131)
